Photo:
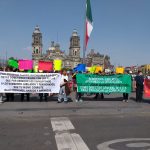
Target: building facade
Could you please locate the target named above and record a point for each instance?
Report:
(71, 60)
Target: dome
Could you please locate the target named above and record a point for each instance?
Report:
(37, 29)
(75, 33)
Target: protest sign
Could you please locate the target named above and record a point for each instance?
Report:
(57, 65)
(13, 63)
(147, 88)
(25, 64)
(80, 67)
(98, 69)
(119, 70)
(45, 66)
(92, 69)
(91, 83)
(14, 82)
(35, 69)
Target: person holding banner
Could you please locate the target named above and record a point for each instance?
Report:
(45, 95)
(126, 95)
(77, 94)
(101, 94)
(1, 94)
(23, 94)
(63, 83)
(139, 86)
(9, 95)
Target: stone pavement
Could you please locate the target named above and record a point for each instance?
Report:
(111, 105)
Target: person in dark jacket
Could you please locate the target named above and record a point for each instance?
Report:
(139, 86)
(101, 94)
(25, 94)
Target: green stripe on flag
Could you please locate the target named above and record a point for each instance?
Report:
(89, 11)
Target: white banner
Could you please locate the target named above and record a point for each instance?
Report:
(16, 82)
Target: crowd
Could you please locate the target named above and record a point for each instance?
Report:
(68, 85)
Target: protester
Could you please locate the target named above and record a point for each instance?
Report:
(41, 95)
(126, 95)
(101, 94)
(139, 86)
(1, 94)
(9, 95)
(62, 93)
(45, 95)
(25, 94)
(77, 94)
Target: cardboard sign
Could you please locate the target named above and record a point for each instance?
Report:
(119, 70)
(57, 65)
(45, 66)
(92, 69)
(35, 69)
(25, 64)
(13, 63)
(80, 67)
(98, 69)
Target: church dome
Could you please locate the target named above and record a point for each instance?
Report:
(75, 33)
(37, 29)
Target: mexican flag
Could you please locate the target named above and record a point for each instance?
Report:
(89, 22)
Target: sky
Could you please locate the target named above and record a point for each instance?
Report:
(121, 27)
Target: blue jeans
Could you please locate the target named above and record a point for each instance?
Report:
(62, 94)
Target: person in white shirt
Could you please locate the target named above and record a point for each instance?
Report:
(62, 92)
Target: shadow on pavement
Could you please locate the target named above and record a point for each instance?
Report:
(143, 101)
(36, 98)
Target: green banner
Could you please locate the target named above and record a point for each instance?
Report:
(89, 83)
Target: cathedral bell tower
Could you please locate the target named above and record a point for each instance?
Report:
(36, 44)
(74, 50)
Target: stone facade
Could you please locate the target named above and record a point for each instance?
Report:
(97, 59)
(69, 61)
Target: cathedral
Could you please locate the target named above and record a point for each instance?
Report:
(71, 60)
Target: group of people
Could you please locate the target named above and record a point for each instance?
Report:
(68, 83)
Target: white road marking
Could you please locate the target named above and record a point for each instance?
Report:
(64, 139)
(79, 142)
(138, 144)
(67, 141)
(105, 145)
(61, 124)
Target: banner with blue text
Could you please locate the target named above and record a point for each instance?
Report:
(16, 82)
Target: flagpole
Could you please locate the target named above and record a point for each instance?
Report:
(84, 39)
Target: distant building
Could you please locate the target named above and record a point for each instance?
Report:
(145, 68)
(69, 61)
(95, 58)
(132, 69)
